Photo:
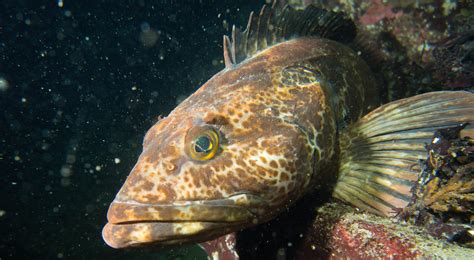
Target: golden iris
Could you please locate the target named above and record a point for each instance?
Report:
(204, 143)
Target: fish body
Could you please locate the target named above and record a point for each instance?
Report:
(252, 140)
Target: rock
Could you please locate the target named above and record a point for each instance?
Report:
(342, 231)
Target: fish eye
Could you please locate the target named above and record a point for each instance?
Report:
(202, 142)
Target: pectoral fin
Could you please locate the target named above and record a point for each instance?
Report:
(381, 152)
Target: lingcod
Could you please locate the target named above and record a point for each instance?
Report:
(295, 109)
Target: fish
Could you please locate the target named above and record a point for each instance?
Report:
(296, 109)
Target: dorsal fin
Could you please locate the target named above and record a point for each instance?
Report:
(274, 25)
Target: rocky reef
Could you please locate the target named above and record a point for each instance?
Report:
(420, 45)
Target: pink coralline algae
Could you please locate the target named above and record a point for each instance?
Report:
(377, 12)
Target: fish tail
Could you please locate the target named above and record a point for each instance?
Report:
(381, 153)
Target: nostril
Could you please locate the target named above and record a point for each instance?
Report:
(169, 166)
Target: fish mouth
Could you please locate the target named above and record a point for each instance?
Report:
(134, 224)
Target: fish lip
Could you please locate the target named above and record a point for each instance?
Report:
(236, 208)
(135, 224)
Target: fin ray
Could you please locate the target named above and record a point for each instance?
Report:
(381, 152)
(274, 24)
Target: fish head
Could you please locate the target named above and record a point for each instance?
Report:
(207, 170)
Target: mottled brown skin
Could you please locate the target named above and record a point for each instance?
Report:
(277, 113)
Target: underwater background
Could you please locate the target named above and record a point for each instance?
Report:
(82, 81)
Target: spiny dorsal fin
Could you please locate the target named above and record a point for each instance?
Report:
(274, 25)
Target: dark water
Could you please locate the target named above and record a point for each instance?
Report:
(79, 86)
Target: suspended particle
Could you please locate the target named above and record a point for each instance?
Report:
(66, 171)
(3, 84)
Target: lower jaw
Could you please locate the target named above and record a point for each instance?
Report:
(165, 233)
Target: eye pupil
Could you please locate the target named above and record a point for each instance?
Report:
(202, 144)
